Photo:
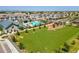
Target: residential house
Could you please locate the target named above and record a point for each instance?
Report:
(75, 22)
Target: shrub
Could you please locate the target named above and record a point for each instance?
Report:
(44, 26)
(57, 50)
(44, 21)
(21, 46)
(78, 37)
(1, 29)
(33, 29)
(66, 47)
(26, 31)
(73, 42)
(39, 27)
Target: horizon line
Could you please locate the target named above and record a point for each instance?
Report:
(39, 8)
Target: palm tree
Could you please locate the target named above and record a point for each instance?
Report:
(21, 23)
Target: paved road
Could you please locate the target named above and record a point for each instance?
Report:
(1, 49)
(7, 47)
(4, 48)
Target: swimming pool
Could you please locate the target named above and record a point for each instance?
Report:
(35, 23)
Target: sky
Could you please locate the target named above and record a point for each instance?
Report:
(39, 8)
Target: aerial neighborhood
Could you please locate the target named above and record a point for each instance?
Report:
(16, 33)
(12, 21)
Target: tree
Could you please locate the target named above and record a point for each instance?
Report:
(30, 20)
(21, 28)
(21, 46)
(18, 33)
(13, 38)
(1, 29)
(35, 26)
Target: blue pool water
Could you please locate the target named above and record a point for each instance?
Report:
(35, 23)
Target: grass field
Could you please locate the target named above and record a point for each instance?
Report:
(44, 40)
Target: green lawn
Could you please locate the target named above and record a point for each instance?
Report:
(44, 40)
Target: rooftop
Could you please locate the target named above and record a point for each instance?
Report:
(77, 20)
(5, 23)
